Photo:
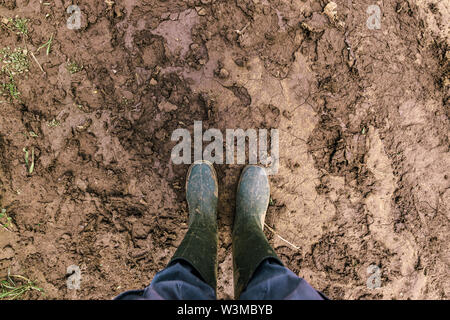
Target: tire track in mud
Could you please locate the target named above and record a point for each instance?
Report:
(340, 148)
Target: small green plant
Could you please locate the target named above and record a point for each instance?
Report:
(53, 123)
(74, 67)
(14, 61)
(4, 216)
(48, 44)
(30, 164)
(9, 89)
(15, 286)
(21, 25)
(17, 25)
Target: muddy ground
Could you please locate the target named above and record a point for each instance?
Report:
(363, 116)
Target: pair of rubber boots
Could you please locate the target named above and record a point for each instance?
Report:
(250, 246)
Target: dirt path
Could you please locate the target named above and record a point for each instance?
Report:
(363, 116)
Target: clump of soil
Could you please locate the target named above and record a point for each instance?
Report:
(363, 119)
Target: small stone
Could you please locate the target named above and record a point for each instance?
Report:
(166, 106)
(447, 82)
(201, 11)
(153, 82)
(81, 184)
(118, 12)
(330, 10)
(85, 125)
(240, 62)
(223, 73)
(174, 16)
(208, 35)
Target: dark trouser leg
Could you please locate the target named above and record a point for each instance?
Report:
(192, 271)
(258, 272)
(250, 246)
(179, 281)
(199, 246)
(273, 281)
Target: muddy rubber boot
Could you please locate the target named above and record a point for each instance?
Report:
(250, 245)
(199, 246)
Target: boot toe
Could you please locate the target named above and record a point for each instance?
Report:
(202, 188)
(252, 198)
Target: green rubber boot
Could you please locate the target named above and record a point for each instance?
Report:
(199, 246)
(250, 245)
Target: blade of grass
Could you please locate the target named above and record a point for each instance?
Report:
(32, 161)
(26, 156)
(48, 44)
(9, 289)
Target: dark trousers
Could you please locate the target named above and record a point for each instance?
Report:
(180, 281)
